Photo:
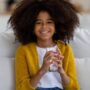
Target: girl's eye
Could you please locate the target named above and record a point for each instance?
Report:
(38, 22)
(50, 22)
(47, 22)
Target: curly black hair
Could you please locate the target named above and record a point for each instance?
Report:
(23, 19)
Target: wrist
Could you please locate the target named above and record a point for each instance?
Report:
(62, 72)
(42, 72)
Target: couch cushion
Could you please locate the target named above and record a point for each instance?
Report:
(84, 20)
(7, 73)
(83, 72)
(7, 44)
(3, 23)
(81, 43)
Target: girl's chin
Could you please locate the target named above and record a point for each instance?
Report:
(45, 39)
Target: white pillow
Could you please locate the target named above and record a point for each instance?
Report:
(84, 20)
(7, 73)
(3, 23)
(81, 43)
(83, 72)
(7, 44)
(4, 26)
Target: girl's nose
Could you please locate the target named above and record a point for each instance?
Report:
(44, 25)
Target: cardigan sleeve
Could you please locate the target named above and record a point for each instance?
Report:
(71, 71)
(22, 72)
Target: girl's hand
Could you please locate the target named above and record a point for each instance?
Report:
(49, 58)
(60, 61)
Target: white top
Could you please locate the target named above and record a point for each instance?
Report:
(50, 79)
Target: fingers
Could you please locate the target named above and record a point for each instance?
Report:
(50, 54)
(52, 57)
(60, 57)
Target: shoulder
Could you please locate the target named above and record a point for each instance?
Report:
(23, 48)
(63, 44)
(64, 47)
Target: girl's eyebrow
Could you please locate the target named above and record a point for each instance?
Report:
(50, 19)
(41, 19)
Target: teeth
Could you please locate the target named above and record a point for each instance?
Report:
(44, 32)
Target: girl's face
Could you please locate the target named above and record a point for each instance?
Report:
(44, 27)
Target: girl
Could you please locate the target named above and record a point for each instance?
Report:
(44, 60)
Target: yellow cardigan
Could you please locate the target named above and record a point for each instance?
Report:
(27, 65)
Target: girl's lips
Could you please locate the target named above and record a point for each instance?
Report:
(44, 32)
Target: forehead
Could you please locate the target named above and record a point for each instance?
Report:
(43, 15)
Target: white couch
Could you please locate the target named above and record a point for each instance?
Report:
(80, 45)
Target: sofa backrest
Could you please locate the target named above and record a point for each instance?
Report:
(81, 43)
(8, 44)
(7, 60)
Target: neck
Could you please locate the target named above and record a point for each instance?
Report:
(46, 43)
